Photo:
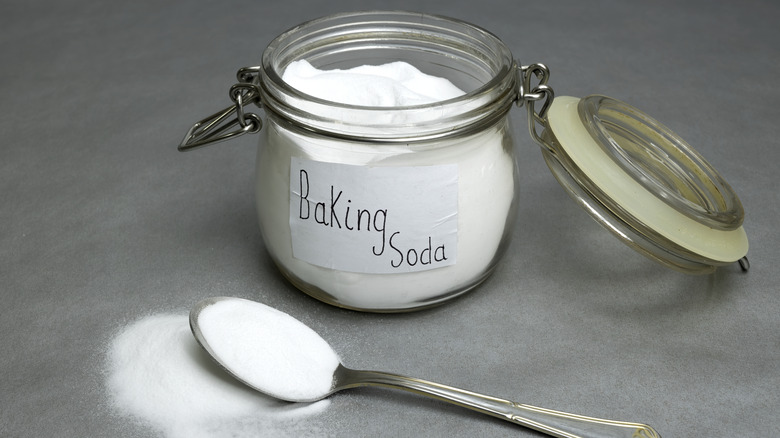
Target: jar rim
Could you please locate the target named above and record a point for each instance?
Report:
(394, 34)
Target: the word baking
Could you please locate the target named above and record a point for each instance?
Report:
(336, 213)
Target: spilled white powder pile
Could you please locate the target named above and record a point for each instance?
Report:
(158, 374)
(269, 349)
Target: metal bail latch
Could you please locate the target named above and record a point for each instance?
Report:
(218, 127)
(529, 95)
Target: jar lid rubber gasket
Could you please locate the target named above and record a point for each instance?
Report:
(635, 212)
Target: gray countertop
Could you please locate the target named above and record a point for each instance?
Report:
(103, 222)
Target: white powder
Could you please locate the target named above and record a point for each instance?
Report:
(269, 349)
(389, 85)
(159, 374)
(486, 189)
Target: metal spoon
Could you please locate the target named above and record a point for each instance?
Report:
(550, 422)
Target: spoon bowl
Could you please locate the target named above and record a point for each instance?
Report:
(237, 360)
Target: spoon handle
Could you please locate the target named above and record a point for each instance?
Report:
(553, 423)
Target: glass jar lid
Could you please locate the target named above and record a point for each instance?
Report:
(644, 183)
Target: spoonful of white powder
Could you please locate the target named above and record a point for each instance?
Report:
(265, 348)
(280, 356)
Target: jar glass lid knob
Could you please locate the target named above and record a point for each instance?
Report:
(644, 183)
(661, 161)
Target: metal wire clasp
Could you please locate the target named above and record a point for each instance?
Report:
(217, 127)
(529, 95)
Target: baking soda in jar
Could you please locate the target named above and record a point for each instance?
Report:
(386, 178)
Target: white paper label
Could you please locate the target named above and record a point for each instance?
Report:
(378, 220)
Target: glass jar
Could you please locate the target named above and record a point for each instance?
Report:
(388, 208)
(398, 208)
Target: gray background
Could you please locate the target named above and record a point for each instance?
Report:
(102, 221)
